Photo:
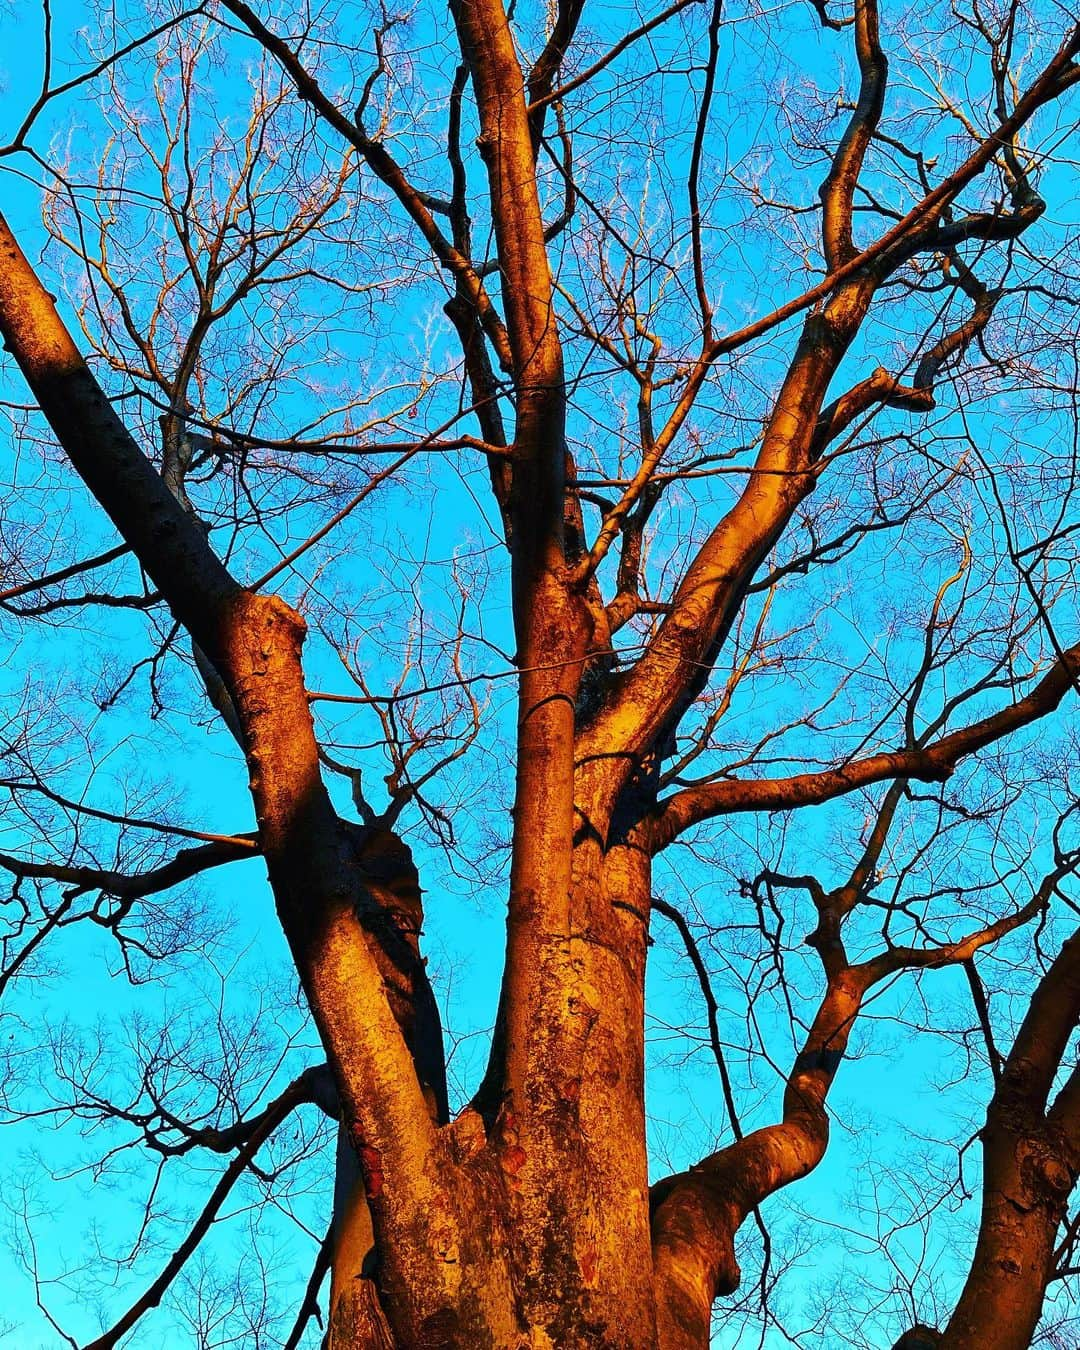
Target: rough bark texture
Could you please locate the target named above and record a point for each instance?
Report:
(1031, 1159)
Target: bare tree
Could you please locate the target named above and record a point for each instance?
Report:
(678, 404)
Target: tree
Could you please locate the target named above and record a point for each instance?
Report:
(780, 481)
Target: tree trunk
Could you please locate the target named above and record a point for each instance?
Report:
(587, 1269)
(582, 1277)
(1025, 1187)
(1031, 1159)
(356, 1320)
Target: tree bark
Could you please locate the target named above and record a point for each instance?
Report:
(1031, 1160)
(1026, 1182)
(697, 1214)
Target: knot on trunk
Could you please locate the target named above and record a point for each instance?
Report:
(919, 1337)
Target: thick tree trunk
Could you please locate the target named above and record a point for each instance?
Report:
(587, 1268)
(1025, 1187)
(1031, 1159)
(583, 1278)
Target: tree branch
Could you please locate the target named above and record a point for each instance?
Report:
(385, 167)
(297, 1092)
(189, 862)
(932, 763)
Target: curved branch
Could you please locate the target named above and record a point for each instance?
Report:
(384, 166)
(187, 863)
(838, 190)
(557, 95)
(933, 763)
(696, 1214)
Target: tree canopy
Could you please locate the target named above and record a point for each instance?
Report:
(539, 574)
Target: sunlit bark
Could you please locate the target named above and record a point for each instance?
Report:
(1031, 1159)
